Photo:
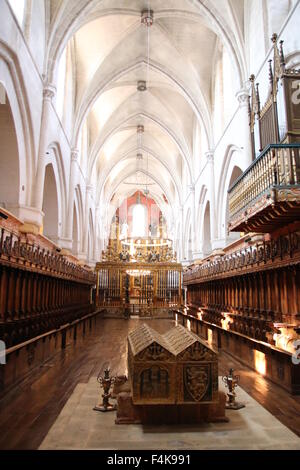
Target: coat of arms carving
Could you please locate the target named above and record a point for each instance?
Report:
(196, 381)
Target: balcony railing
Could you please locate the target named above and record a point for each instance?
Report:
(284, 250)
(278, 166)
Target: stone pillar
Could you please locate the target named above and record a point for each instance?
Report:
(38, 190)
(181, 242)
(243, 99)
(67, 242)
(97, 241)
(193, 217)
(211, 194)
(84, 255)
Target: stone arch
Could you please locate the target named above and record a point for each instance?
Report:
(206, 245)
(91, 238)
(231, 236)
(9, 161)
(75, 230)
(82, 13)
(233, 166)
(50, 205)
(54, 180)
(152, 119)
(200, 109)
(199, 217)
(54, 156)
(12, 84)
(130, 154)
(107, 195)
(78, 212)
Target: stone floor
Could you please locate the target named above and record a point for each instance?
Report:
(52, 407)
(80, 427)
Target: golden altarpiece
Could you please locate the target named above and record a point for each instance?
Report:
(138, 275)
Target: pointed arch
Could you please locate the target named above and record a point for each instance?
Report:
(233, 159)
(13, 83)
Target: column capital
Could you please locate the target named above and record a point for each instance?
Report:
(89, 188)
(74, 155)
(210, 156)
(243, 96)
(49, 91)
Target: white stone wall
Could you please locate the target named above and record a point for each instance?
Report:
(29, 76)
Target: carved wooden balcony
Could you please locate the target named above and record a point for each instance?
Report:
(267, 194)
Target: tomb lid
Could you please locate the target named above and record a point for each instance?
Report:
(175, 341)
(143, 336)
(180, 339)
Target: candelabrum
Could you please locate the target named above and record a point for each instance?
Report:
(105, 382)
(231, 382)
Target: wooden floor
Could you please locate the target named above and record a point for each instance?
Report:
(28, 412)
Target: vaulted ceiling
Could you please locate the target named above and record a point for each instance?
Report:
(111, 51)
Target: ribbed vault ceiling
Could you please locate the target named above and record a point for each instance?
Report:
(110, 55)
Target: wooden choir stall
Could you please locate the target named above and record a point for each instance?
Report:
(245, 298)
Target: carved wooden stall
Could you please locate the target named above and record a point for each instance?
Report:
(246, 298)
(176, 369)
(40, 289)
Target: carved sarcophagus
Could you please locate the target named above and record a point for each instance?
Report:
(175, 368)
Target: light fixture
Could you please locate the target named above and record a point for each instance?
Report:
(138, 272)
(144, 242)
(147, 18)
(141, 85)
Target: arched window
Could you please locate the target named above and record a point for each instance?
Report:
(139, 221)
(18, 7)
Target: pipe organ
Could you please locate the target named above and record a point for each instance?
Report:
(278, 121)
(246, 297)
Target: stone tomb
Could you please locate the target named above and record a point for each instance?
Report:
(177, 369)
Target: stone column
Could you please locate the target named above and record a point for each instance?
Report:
(193, 219)
(38, 190)
(97, 242)
(181, 242)
(243, 99)
(211, 194)
(84, 255)
(67, 242)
